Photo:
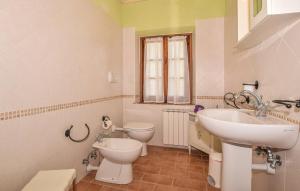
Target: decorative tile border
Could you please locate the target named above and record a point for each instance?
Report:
(45, 109)
(210, 97)
(283, 117)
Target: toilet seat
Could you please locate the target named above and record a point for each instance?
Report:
(139, 126)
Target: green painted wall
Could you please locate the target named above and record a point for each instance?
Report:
(112, 8)
(151, 17)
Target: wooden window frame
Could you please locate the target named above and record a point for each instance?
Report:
(165, 65)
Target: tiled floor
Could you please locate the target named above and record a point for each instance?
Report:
(164, 169)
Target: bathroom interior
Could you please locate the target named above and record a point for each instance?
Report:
(158, 95)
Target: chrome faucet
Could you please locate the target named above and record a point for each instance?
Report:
(261, 107)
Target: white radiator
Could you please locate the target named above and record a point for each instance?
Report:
(175, 127)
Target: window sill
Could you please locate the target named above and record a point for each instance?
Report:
(142, 103)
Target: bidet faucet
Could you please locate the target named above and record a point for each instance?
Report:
(101, 136)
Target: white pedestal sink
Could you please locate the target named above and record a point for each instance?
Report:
(239, 130)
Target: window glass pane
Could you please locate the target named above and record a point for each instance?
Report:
(171, 50)
(153, 72)
(159, 69)
(176, 68)
(152, 69)
(171, 69)
(180, 68)
(176, 49)
(151, 87)
(181, 49)
(154, 50)
(171, 86)
(180, 89)
(178, 74)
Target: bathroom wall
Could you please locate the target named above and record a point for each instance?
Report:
(54, 60)
(152, 17)
(209, 59)
(207, 68)
(275, 64)
(111, 7)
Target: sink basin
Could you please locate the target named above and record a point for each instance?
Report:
(243, 127)
(239, 130)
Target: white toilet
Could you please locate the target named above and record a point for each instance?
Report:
(140, 131)
(118, 153)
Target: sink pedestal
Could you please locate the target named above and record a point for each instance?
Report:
(236, 167)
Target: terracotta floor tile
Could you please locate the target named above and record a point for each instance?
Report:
(134, 185)
(140, 186)
(182, 158)
(181, 165)
(197, 175)
(144, 186)
(163, 164)
(137, 175)
(205, 157)
(105, 184)
(163, 169)
(82, 186)
(196, 168)
(175, 150)
(198, 153)
(190, 183)
(174, 172)
(157, 178)
(154, 148)
(94, 187)
(142, 161)
(106, 188)
(195, 159)
(93, 172)
(88, 178)
(210, 188)
(199, 163)
(169, 155)
(170, 188)
(146, 169)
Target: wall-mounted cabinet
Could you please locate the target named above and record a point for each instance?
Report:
(259, 19)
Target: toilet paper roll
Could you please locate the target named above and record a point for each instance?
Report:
(106, 124)
(250, 88)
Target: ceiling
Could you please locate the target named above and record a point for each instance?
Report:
(130, 1)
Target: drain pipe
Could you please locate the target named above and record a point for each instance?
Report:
(264, 167)
(94, 154)
(90, 167)
(273, 160)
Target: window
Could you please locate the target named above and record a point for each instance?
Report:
(166, 69)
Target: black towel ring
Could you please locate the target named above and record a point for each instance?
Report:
(68, 134)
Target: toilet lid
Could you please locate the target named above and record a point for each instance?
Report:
(139, 126)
